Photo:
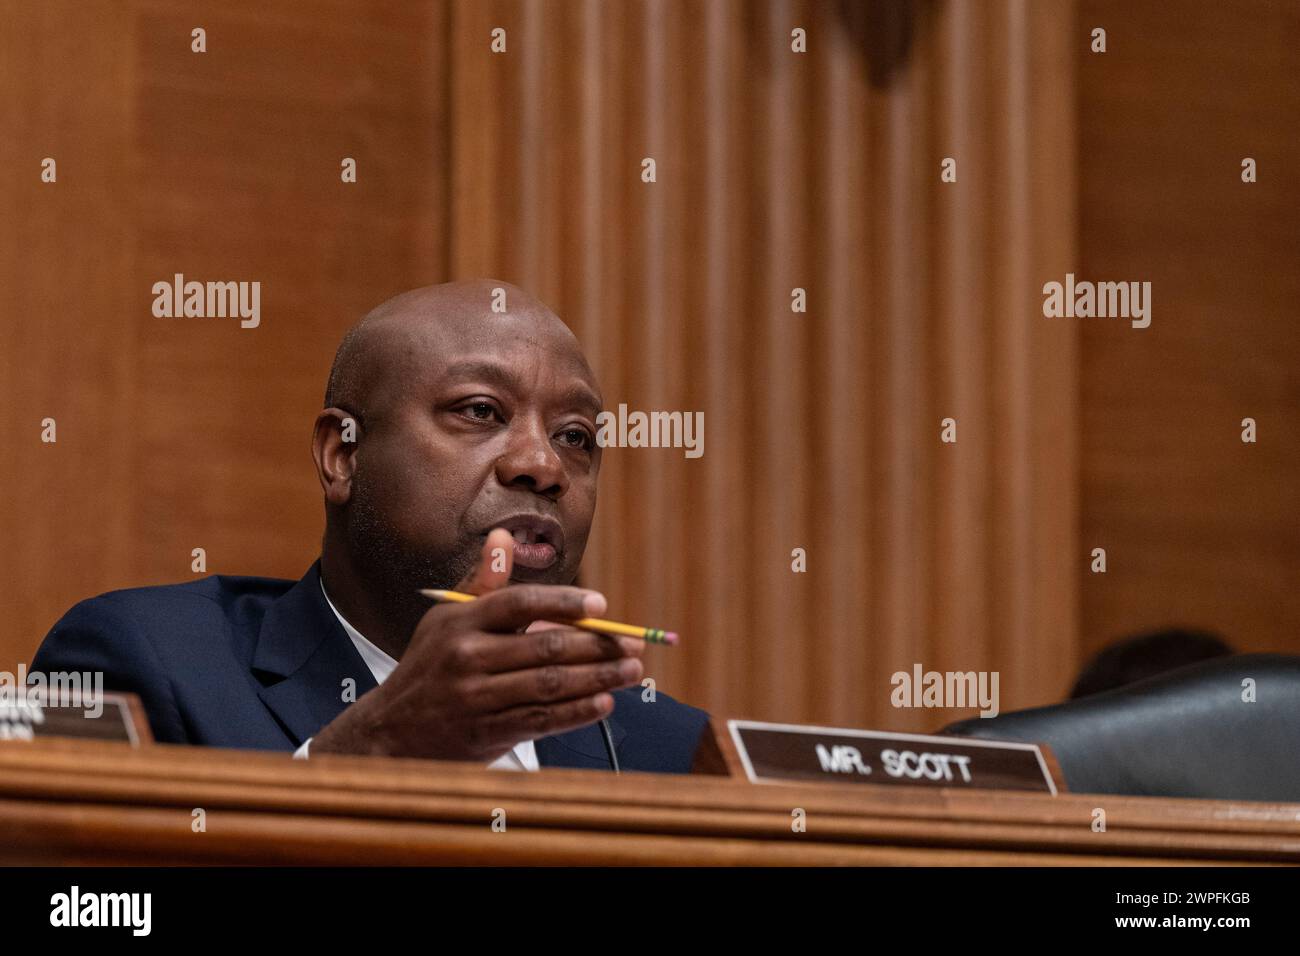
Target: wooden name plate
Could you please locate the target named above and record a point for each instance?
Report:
(31, 715)
(782, 753)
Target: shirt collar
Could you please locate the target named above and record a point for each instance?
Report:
(380, 664)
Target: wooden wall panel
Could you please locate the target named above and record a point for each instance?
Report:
(177, 434)
(775, 170)
(818, 171)
(1200, 529)
(65, 72)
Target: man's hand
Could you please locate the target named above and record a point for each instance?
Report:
(470, 686)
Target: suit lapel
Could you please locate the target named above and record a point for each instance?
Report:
(304, 656)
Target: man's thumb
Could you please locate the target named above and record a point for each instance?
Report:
(494, 565)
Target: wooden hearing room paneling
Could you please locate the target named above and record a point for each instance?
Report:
(1201, 529)
(224, 165)
(776, 170)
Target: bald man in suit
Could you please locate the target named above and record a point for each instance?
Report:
(456, 449)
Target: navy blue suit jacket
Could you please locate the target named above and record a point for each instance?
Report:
(259, 663)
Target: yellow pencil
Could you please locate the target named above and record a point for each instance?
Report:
(653, 635)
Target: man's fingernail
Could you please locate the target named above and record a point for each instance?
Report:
(593, 604)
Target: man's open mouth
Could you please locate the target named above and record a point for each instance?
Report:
(538, 539)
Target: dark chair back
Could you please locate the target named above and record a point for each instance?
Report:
(1185, 733)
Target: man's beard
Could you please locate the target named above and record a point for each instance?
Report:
(393, 568)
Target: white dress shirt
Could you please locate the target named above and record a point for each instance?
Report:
(521, 757)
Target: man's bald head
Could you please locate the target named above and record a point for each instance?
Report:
(381, 342)
(468, 417)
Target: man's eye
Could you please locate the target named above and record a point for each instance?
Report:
(480, 411)
(577, 438)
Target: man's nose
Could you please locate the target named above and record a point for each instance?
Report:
(531, 460)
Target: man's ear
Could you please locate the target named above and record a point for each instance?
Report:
(333, 446)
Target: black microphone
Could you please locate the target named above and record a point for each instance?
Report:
(609, 744)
